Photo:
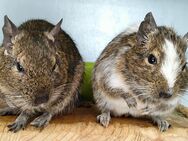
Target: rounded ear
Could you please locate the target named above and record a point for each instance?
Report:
(146, 27)
(51, 35)
(9, 31)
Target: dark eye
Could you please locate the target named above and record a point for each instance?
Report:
(152, 59)
(19, 67)
(54, 67)
(184, 66)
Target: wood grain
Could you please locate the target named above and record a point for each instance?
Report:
(81, 126)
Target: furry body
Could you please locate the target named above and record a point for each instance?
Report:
(124, 83)
(53, 71)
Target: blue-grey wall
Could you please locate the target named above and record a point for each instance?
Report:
(93, 23)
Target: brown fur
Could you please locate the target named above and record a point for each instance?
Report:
(53, 70)
(127, 57)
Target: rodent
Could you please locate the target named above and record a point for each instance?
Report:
(41, 71)
(141, 73)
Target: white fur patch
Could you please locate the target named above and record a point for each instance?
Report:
(117, 106)
(5, 52)
(116, 81)
(171, 63)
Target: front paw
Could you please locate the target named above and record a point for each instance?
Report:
(20, 122)
(104, 119)
(17, 125)
(42, 120)
(163, 125)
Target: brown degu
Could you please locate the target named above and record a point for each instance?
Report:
(141, 73)
(41, 72)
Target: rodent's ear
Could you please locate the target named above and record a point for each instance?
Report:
(146, 27)
(9, 31)
(51, 35)
(186, 37)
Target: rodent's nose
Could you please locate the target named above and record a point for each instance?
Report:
(42, 96)
(165, 95)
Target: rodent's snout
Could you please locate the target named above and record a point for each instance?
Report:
(165, 94)
(42, 96)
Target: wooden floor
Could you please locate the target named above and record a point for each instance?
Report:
(82, 126)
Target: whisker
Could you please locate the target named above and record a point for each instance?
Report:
(185, 90)
(182, 98)
(136, 96)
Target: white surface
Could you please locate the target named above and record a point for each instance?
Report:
(93, 23)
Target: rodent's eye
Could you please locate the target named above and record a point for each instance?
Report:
(19, 67)
(152, 59)
(54, 67)
(184, 66)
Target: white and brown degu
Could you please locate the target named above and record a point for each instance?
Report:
(40, 72)
(142, 73)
